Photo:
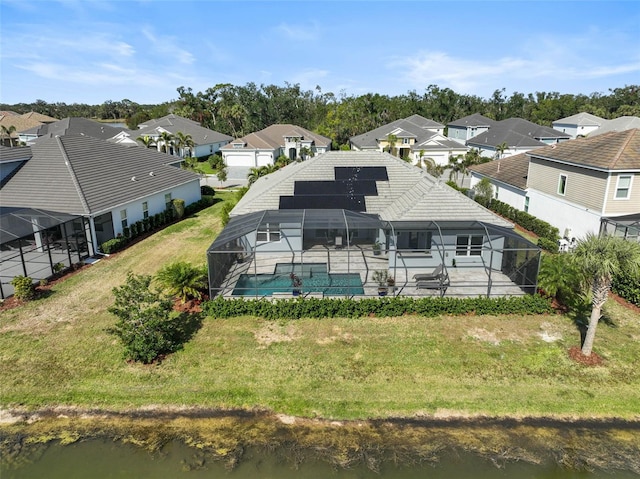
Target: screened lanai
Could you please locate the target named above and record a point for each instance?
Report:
(319, 253)
(38, 243)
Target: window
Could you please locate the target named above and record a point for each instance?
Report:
(167, 200)
(469, 245)
(268, 232)
(405, 141)
(145, 209)
(123, 218)
(562, 185)
(526, 204)
(497, 192)
(623, 188)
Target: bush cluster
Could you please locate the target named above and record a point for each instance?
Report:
(357, 308)
(627, 285)
(23, 288)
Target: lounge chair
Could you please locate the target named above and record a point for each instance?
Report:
(436, 274)
(441, 283)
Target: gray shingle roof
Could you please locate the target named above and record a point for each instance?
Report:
(272, 137)
(414, 126)
(410, 194)
(77, 126)
(174, 124)
(516, 132)
(581, 119)
(475, 119)
(83, 175)
(610, 151)
(512, 170)
(617, 124)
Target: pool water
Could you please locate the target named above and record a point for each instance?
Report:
(314, 277)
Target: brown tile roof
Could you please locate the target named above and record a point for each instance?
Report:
(512, 170)
(610, 151)
(32, 115)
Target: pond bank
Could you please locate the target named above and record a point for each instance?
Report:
(576, 444)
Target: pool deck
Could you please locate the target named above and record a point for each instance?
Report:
(464, 282)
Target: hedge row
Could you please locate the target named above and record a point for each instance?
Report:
(627, 286)
(357, 308)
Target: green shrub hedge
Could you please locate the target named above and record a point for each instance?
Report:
(627, 285)
(23, 288)
(113, 245)
(356, 308)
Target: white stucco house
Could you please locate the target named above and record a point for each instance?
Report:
(263, 147)
(578, 125)
(468, 127)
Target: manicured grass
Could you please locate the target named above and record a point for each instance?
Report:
(58, 351)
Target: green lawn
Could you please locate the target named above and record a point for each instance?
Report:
(57, 351)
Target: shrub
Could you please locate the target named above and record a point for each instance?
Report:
(178, 207)
(224, 213)
(627, 285)
(206, 190)
(548, 245)
(356, 308)
(147, 224)
(126, 232)
(146, 324)
(23, 288)
(134, 230)
(113, 245)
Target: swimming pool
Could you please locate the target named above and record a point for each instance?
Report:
(314, 277)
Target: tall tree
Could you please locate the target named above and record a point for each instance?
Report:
(184, 143)
(166, 142)
(600, 258)
(7, 132)
(147, 141)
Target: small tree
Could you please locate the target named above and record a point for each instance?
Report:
(178, 207)
(183, 280)
(23, 288)
(600, 258)
(222, 175)
(146, 323)
(484, 188)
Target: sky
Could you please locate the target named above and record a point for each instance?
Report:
(86, 51)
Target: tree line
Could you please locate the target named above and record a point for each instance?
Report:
(239, 110)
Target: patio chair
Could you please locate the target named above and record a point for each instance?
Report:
(441, 283)
(338, 242)
(434, 275)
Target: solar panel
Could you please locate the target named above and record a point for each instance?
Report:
(359, 173)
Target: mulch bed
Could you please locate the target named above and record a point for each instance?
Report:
(575, 353)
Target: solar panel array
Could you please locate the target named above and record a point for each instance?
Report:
(346, 192)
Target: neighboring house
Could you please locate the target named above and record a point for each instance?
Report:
(516, 135)
(508, 177)
(468, 127)
(351, 213)
(10, 160)
(578, 125)
(19, 123)
(618, 124)
(110, 186)
(78, 126)
(576, 186)
(409, 137)
(265, 146)
(206, 142)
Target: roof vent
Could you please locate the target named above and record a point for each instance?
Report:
(151, 173)
(133, 178)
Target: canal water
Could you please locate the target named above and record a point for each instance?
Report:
(103, 459)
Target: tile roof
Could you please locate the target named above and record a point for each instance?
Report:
(414, 126)
(19, 122)
(39, 117)
(609, 151)
(83, 175)
(174, 124)
(8, 154)
(581, 119)
(475, 119)
(515, 132)
(411, 194)
(273, 136)
(77, 126)
(618, 124)
(512, 170)
(436, 141)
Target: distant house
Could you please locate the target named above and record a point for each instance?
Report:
(580, 124)
(618, 124)
(206, 141)
(576, 185)
(468, 127)
(265, 146)
(516, 135)
(110, 186)
(18, 123)
(10, 160)
(78, 126)
(414, 137)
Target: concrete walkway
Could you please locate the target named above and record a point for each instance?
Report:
(236, 177)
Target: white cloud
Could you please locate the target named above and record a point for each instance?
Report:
(298, 32)
(167, 46)
(310, 78)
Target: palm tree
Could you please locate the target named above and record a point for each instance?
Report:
(391, 141)
(7, 132)
(147, 141)
(599, 258)
(500, 149)
(457, 166)
(184, 142)
(183, 280)
(167, 140)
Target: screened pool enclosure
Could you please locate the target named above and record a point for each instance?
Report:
(343, 253)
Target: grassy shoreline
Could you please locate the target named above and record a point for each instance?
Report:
(56, 351)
